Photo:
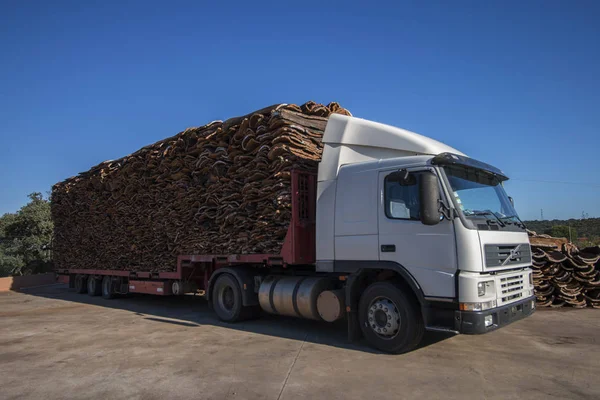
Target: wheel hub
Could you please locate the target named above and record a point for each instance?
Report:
(384, 318)
(228, 298)
(176, 288)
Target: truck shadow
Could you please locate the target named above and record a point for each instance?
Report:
(194, 311)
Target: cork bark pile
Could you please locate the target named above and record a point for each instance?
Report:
(564, 275)
(222, 188)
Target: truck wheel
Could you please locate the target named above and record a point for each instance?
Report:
(108, 290)
(80, 284)
(93, 286)
(227, 299)
(390, 321)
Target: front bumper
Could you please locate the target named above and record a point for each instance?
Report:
(473, 322)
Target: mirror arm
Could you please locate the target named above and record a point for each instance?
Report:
(445, 210)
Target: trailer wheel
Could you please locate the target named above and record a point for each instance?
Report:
(108, 289)
(227, 299)
(80, 284)
(93, 286)
(390, 321)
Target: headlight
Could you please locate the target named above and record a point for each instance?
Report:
(489, 320)
(482, 286)
(478, 306)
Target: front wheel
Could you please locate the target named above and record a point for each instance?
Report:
(389, 319)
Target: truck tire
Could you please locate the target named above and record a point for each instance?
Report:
(227, 300)
(80, 284)
(93, 286)
(108, 290)
(389, 319)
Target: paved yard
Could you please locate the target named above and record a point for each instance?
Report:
(57, 344)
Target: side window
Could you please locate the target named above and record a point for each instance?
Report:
(402, 198)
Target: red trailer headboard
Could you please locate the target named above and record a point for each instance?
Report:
(299, 246)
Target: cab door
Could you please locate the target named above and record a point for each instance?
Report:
(427, 252)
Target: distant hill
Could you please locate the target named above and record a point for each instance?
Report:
(586, 228)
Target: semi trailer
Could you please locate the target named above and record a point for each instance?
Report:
(396, 233)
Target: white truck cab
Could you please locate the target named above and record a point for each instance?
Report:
(393, 200)
(409, 234)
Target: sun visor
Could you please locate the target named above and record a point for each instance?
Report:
(455, 159)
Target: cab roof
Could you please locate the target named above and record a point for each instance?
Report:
(349, 140)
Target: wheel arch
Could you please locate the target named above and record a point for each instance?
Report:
(394, 271)
(363, 273)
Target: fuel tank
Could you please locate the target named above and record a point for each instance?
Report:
(294, 296)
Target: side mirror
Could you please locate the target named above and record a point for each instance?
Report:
(429, 196)
(511, 201)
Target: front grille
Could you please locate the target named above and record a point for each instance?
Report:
(507, 255)
(511, 287)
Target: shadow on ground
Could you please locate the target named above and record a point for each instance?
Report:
(194, 311)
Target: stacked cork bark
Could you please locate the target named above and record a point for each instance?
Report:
(222, 188)
(564, 275)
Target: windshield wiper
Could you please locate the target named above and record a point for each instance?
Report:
(483, 213)
(521, 223)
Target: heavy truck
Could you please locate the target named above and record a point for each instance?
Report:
(396, 233)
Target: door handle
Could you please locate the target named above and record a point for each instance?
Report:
(388, 248)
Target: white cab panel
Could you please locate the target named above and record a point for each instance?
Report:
(427, 252)
(336, 155)
(359, 247)
(356, 214)
(325, 221)
(470, 257)
(356, 202)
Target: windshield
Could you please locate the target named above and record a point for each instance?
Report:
(479, 194)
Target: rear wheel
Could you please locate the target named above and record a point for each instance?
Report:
(177, 288)
(80, 284)
(93, 286)
(226, 297)
(108, 290)
(389, 319)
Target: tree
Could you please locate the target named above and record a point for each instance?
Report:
(8, 261)
(589, 227)
(563, 231)
(25, 238)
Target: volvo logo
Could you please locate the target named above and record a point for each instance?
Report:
(514, 253)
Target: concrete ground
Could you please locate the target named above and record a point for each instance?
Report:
(57, 344)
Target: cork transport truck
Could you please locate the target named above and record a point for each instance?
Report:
(397, 233)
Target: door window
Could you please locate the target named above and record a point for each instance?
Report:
(402, 198)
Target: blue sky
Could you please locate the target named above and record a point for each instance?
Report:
(515, 84)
